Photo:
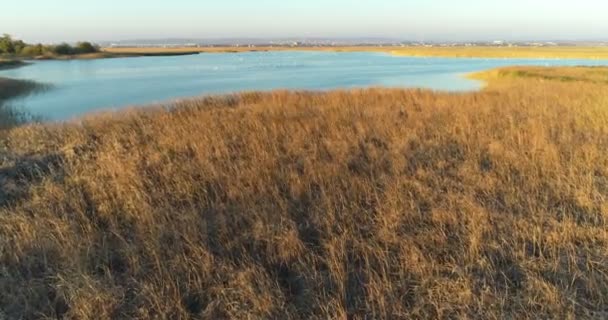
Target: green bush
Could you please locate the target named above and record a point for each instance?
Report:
(86, 47)
(33, 50)
(6, 45)
(18, 46)
(63, 49)
(9, 46)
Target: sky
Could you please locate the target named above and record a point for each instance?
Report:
(418, 20)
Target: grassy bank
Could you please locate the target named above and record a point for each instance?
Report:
(364, 204)
(462, 52)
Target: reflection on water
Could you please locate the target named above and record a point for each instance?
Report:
(10, 116)
(15, 88)
(11, 90)
(85, 85)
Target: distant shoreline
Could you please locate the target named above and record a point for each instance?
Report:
(110, 55)
(559, 52)
(17, 62)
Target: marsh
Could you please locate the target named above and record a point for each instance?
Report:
(83, 86)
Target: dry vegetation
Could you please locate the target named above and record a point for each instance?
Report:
(507, 52)
(417, 51)
(356, 204)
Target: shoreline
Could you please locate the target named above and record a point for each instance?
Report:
(479, 52)
(486, 78)
(489, 78)
(111, 55)
(565, 52)
(16, 62)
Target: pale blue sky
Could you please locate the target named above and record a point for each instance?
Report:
(70, 20)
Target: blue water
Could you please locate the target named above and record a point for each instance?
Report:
(82, 86)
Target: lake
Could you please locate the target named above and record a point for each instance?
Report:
(81, 86)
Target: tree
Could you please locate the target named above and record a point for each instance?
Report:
(18, 45)
(9, 46)
(85, 47)
(33, 51)
(63, 49)
(6, 44)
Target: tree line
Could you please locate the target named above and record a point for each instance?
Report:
(14, 47)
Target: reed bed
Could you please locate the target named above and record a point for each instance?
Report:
(361, 204)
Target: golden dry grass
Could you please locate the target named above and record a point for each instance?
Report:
(563, 52)
(355, 204)
(507, 52)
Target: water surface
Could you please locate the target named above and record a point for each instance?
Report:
(82, 86)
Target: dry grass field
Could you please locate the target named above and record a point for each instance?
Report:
(562, 52)
(506, 52)
(362, 204)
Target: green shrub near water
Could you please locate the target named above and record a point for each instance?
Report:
(34, 50)
(12, 47)
(80, 48)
